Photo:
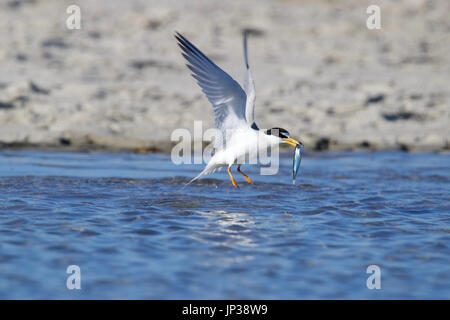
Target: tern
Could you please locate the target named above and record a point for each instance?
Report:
(239, 137)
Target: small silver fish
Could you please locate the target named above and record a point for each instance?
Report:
(297, 159)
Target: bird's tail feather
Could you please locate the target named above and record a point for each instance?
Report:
(205, 171)
(201, 174)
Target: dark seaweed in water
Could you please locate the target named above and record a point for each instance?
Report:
(135, 231)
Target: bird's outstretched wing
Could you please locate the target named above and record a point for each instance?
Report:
(224, 93)
(249, 87)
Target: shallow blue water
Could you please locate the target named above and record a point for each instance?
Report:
(135, 232)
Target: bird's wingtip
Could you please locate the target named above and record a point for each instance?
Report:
(177, 35)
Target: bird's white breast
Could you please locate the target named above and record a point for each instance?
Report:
(244, 145)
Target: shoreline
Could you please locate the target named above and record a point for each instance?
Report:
(166, 149)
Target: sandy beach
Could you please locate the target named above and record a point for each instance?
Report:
(120, 82)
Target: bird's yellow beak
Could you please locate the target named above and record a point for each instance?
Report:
(291, 141)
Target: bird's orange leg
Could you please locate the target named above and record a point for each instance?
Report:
(232, 179)
(245, 176)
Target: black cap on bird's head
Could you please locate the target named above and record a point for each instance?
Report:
(278, 132)
(284, 135)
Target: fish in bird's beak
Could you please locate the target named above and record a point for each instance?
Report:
(297, 156)
(297, 159)
(292, 142)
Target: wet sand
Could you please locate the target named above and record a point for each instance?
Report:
(120, 82)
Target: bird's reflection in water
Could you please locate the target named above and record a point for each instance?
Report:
(227, 229)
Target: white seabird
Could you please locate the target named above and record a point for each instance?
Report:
(240, 138)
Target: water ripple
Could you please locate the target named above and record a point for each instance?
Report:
(138, 230)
